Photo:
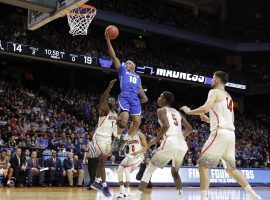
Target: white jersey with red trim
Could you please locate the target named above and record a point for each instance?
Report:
(134, 143)
(174, 137)
(107, 125)
(221, 115)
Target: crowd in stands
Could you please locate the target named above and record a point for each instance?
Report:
(257, 73)
(59, 121)
(183, 17)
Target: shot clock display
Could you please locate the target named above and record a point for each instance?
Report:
(47, 53)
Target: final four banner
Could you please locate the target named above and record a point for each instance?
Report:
(190, 176)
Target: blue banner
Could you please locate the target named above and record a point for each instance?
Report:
(190, 176)
(219, 177)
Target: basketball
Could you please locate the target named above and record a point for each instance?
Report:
(112, 32)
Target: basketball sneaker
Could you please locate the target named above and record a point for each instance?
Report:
(254, 197)
(137, 195)
(96, 186)
(121, 194)
(106, 191)
(180, 195)
(127, 193)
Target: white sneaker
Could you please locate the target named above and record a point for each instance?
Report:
(254, 197)
(127, 193)
(180, 197)
(121, 196)
(121, 193)
(137, 195)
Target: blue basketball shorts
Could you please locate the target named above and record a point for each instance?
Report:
(130, 104)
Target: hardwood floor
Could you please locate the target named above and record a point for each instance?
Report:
(155, 194)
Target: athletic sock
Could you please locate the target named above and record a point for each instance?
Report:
(249, 190)
(204, 194)
(104, 184)
(122, 189)
(98, 180)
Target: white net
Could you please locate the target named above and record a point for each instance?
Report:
(80, 18)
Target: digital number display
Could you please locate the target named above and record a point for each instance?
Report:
(47, 53)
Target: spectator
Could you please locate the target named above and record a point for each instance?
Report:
(12, 142)
(256, 165)
(56, 170)
(4, 165)
(266, 165)
(52, 145)
(21, 139)
(9, 154)
(73, 149)
(189, 163)
(61, 146)
(238, 164)
(34, 169)
(2, 143)
(73, 168)
(17, 169)
(26, 155)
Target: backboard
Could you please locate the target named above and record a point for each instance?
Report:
(41, 12)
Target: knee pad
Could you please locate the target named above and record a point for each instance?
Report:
(148, 173)
(127, 173)
(120, 173)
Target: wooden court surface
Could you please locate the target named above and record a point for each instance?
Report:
(154, 194)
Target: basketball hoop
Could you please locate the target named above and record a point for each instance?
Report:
(80, 18)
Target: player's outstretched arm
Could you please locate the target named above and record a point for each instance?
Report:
(112, 54)
(186, 124)
(104, 107)
(212, 96)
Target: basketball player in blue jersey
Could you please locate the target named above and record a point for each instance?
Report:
(132, 94)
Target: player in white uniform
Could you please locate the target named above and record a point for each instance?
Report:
(221, 142)
(173, 146)
(107, 126)
(130, 163)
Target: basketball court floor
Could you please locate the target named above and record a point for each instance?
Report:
(157, 193)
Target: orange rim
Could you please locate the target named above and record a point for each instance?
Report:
(87, 6)
(84, 6)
